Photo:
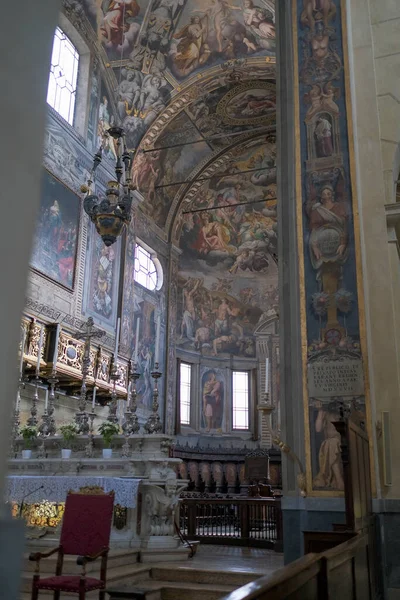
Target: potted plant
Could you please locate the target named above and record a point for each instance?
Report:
(28, 434)
(69, 433)
(108, 430)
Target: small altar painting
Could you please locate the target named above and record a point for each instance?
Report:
(55, 241)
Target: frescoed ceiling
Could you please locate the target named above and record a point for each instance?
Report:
(189, 81)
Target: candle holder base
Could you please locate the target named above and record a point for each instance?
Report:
(126, 449)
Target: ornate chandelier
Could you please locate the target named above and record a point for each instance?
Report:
(111, 213)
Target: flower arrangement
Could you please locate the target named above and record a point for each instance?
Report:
(69, 432)
(28, 433)
(108, 430)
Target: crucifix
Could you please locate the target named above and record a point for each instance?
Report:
(89, 332)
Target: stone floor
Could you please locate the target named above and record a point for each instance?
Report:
(233, 558)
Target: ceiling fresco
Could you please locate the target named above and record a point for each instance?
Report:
(182, 36)
(215, 120)
(189, 81)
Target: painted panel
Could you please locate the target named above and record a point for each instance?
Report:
(102, 277)
(55, 241)
(329, 247)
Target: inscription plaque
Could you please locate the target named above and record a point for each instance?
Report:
(336, 378)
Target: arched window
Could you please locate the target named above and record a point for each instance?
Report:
(148, 270)
(61, 92)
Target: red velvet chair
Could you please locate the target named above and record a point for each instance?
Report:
(85, 532)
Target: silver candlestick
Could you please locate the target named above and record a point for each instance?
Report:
(33, 420)
(130, 425)
(16, 421)
(153, 423)
(82, 417)
(112, 408)
(89, 448)
(52, 380)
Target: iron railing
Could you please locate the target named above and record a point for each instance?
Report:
(240, 521)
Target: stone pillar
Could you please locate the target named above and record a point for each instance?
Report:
(26, 33)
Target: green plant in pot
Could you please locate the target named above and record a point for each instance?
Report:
(28, 433)
(69, 433)
(108, 430)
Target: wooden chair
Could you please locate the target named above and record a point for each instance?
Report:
(85, 533)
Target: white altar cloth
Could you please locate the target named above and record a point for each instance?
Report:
(31, 488)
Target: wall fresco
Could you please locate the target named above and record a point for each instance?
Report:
(333, 330)
(55, 240)
(228, 260)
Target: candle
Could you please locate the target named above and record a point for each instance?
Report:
(157, 352)
(266, 374)
(46, 400)
(117, 340)
(39, 350)
(55, 354)
(137, 341)
(128, 397)
(21, 361)
(94, 397)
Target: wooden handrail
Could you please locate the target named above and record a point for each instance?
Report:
(308, 566)
(318, 576)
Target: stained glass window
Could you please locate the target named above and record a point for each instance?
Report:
(61, 92)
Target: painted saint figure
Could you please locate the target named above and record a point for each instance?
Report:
(328, 227)
(330, 473)
(192, 49)
(323, 137)
(189, 315)
(212, 407)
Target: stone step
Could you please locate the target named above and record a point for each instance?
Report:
(186, 573)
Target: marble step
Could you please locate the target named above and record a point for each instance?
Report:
(116, 558)
(137, 574)
(171, 590)
(184, 574)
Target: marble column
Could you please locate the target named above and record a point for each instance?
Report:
(26, 34)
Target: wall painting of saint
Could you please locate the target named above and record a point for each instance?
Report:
(212, 401)
(55, 241)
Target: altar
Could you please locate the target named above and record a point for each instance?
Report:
(145, 484)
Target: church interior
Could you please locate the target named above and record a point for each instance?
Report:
(201, 282)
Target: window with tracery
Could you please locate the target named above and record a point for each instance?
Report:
(61, 91)
(146, 272)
